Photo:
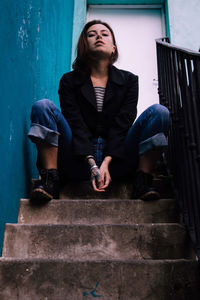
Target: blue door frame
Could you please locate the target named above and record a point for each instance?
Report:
(80, 12)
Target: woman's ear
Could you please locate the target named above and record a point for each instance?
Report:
(114, 48)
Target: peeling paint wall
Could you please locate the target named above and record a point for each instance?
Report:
(35, 43)
(184, 20)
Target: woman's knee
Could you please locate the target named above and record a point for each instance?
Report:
(161, 114)
(160, 109)
(40, 108)
(41, 105)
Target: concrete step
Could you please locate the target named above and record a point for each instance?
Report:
(101, 211)
(117, 189)
(40, 279)
(91, 242)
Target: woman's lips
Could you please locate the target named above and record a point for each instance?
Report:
(99, 43)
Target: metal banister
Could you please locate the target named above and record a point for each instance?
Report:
(165, 42)
(179, 91)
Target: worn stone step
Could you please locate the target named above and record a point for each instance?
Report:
(75, 280)
(139, 241)
(101, 211)
(117, 189)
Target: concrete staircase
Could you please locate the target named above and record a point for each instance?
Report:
(114, 248)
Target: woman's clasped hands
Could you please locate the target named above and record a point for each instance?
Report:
(100, 177)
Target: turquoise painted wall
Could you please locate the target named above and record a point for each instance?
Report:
(184, 20)
(35, 43)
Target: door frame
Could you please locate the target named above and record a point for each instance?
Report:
(80, 14)
(159, 6)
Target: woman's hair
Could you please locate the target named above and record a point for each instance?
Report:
(83, 59)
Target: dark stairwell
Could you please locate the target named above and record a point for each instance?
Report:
(111, 247)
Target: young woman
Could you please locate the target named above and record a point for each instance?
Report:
(94, 135)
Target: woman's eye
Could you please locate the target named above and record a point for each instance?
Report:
(93, 34)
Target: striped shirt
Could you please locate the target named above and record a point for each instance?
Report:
(99, 92)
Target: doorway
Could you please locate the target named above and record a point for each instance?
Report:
(136, 28)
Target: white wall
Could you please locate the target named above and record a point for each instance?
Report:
(184, 21)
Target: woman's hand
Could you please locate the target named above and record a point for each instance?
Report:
(97, 181)
(105, 174)
(100, 177)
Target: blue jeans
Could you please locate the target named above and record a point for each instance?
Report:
(148, 132)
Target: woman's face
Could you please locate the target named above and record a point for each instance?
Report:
(99, 38)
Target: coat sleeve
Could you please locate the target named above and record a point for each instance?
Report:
(123, 120)
(81, 136)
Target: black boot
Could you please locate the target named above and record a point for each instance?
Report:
(47, 187)
(142, 187)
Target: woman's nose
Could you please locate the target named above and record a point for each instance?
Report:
(98, 36)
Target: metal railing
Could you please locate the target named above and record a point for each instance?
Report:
(179, 91)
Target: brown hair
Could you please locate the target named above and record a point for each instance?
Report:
(82, 61)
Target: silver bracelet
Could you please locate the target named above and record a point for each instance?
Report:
(95, 166)
(89, 156)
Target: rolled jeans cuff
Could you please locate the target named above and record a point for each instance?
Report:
(158, 140)
(38, 131)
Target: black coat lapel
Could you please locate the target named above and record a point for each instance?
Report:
(110, 92)
(87, 91)
(115, 82)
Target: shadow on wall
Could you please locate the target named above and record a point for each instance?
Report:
(19, 174)
(29, 155)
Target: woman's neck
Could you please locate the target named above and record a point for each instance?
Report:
(100, 70)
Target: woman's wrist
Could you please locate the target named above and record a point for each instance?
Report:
(107, 160)
(93, 167)
(91, 161)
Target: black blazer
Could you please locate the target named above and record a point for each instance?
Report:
(78, 105)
